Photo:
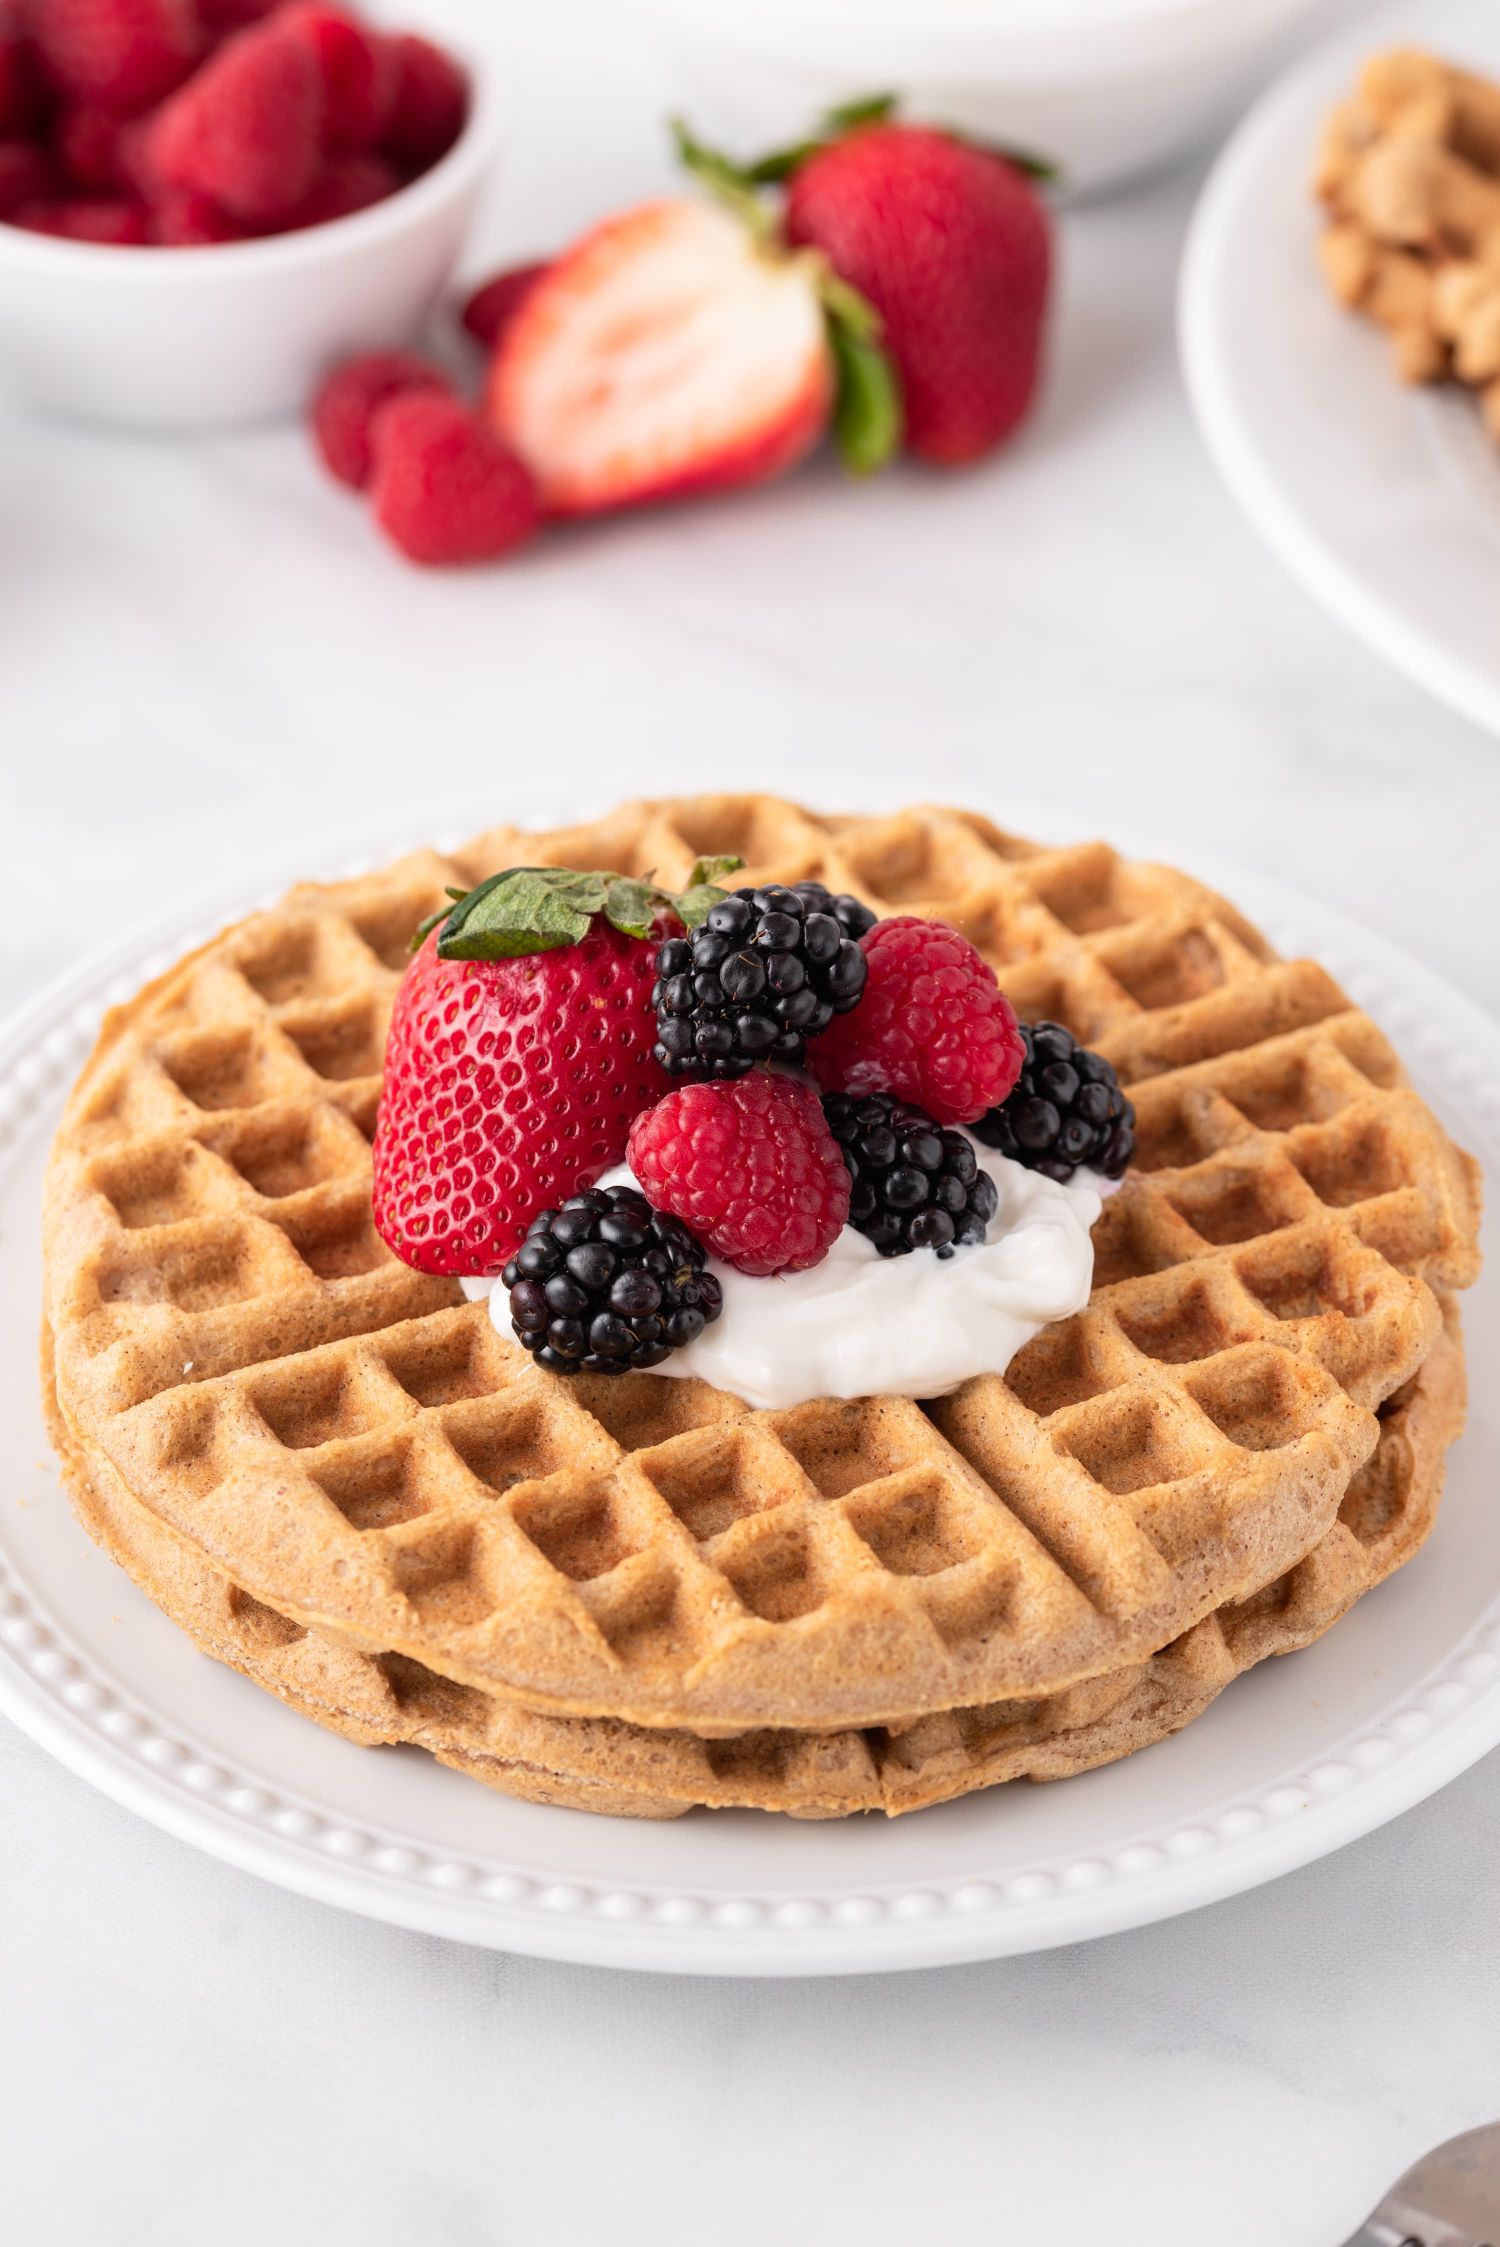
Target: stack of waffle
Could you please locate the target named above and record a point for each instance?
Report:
(637, 1595)
(1410, 172)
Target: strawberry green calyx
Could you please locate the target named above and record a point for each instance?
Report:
(729, 183)
(868, 417)
(872, 109)
(867, 413)
(881, 109)
(529, 909)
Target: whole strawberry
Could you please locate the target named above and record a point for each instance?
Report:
(951, 246)
(519, 1055)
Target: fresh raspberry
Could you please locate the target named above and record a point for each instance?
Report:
(933, 1026)
(751, 1165)
(358, 69)
(445, 487)
(133, 154)
(492, 307)
(23, 98)
(109, 220)
(432, 101)
(183, 221)
(344, 410)
(26, 175)
(87, 141)
(247, 130)
(121, 54)
(234, 15)
(345, 185)
(509, 1085)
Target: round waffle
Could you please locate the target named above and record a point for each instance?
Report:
(628, 1770)
(358, 1451)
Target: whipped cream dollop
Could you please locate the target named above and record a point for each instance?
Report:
(862, 1324)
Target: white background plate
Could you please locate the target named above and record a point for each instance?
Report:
(1383, 501)
(1295, 1760)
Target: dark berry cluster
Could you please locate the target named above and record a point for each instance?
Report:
(766, 970)
(854, 919)
(915, 1185)
(1065, 1109)
(607, 1284)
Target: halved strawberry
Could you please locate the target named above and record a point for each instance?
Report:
(669, 352)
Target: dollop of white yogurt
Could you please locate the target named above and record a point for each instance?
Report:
(862, 1324)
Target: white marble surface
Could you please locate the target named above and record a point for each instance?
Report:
(204, 657)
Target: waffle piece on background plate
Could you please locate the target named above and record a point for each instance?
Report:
(1409, 169)
(362, 1456)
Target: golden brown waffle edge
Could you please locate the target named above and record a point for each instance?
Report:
(617, 1769)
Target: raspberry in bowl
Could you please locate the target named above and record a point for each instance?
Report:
(194, 224)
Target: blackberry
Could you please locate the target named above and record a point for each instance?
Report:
(1065, 1109)
(607, 1284)
(915, 1185)
(762, 973)
(854, 919)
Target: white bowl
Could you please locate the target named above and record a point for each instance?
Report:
(204, 338)
(1104, 88)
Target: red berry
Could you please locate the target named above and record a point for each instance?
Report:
(138, 169)
(492, 307)
(26, 175)
(233, 15)
(358, 69)
(445, 487)
(108, 220)
(509, 1084)
(431, 104)
(23, 98)
(121, 54)
(933, 1025)
(662, 356)
(951, 246)
(346, 184)
(751, 1166)
(183, 221)
(344, 410)
(247, 130)
(88, 142)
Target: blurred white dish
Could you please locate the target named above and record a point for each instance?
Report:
(1104, 88)
(205, 338)
(1384, 501)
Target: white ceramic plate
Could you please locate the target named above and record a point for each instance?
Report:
(1296, 1759)
(1383, 501)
